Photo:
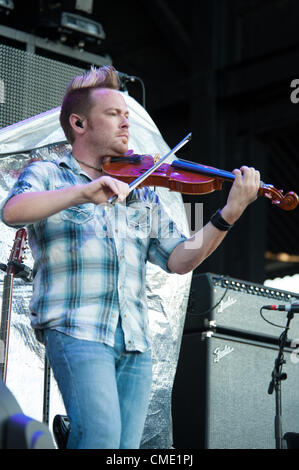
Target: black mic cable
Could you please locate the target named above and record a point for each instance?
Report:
(124, 77)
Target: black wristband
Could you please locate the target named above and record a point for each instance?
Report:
(218, 221)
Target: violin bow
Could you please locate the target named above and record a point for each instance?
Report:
(141, 178)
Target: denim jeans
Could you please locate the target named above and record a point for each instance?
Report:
(105, 390)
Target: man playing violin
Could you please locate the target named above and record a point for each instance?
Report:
(89, 303)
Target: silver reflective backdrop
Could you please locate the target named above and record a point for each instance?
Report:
(167, 293)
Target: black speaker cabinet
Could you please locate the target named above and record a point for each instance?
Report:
(220, 394)
(234, 304)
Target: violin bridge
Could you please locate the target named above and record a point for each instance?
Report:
(157, 158)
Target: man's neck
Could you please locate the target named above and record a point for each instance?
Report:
(85, 155)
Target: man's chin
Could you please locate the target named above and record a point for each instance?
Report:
(119, 151)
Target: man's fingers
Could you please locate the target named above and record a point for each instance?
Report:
(247, 173)
(117, 187)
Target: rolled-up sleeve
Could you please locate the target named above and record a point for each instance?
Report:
(165, 236)
(32, 179)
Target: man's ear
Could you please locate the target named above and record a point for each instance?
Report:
(77, 123)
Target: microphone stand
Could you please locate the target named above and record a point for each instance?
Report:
(275, 384)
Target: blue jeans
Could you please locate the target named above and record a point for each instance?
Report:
(105, 390)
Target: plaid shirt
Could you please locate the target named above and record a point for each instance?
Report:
(90, 260)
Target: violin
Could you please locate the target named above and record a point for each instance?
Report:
(183, 176)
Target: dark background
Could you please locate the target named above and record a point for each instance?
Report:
(223, 70)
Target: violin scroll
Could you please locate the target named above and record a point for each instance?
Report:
(287, 202)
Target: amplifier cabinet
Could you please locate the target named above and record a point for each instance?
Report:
(220, 394)
(221, 301)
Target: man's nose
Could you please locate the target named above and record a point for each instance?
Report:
(125, 122)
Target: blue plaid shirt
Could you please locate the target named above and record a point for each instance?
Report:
(90, 260)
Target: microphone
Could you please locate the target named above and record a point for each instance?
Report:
(126, 78)
(293, 308)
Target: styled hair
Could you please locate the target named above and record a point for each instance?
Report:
(77, 98)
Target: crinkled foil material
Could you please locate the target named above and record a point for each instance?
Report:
(41, 137)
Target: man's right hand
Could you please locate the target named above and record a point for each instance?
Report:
(103, 188)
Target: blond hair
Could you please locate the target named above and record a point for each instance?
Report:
(77, 98)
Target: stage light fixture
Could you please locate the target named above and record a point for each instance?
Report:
(85, 27)
(7, 6)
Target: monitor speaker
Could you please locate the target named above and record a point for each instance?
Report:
(221, 396)
(234, 304)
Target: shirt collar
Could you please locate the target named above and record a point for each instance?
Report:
(67, 160)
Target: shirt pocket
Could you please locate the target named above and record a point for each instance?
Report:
(78, 214)
(139, 219)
